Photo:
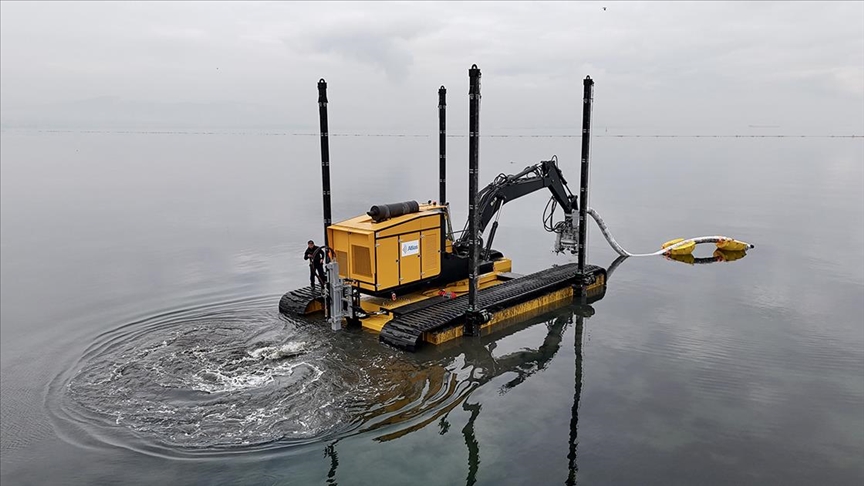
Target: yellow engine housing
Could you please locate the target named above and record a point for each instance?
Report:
(391, 253)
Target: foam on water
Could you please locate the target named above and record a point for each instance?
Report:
(284, 351)
(206, 378)
(239, 376)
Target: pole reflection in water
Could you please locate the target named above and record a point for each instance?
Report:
(572, 468)
(484, 367)
(330, 451)
(471, 442)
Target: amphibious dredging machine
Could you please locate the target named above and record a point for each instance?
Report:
(401, 271)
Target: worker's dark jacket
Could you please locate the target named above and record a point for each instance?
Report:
(319, 259)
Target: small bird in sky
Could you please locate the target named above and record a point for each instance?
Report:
(604, 9)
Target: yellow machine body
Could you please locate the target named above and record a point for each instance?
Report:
(384, 255)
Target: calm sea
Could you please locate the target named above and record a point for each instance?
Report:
(141, 341)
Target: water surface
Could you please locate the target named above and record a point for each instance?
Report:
(141, 341)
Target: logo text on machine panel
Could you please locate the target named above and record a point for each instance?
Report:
(410, 247)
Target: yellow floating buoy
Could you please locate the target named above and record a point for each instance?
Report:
(732, 245)
(685, 249)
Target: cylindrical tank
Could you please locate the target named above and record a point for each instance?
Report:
(381, 212)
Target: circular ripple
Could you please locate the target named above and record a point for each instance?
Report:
(240, 377)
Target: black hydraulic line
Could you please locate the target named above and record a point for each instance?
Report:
(325, 155)
(497, 207)
(442, 145)
(587, 97)
(492, 231)
(472, 326)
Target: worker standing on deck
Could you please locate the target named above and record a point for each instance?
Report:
(315, 256)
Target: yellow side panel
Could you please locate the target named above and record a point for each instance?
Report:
(387, 262)
(339, 243)
(430, 244)
(361, 254)
(418, 224)
(409, 258)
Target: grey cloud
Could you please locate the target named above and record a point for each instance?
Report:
(381, 39)
(380, 51)
(657, 64)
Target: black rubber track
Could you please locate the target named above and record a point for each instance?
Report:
(409, 308)
(405, 330)
(294, 303)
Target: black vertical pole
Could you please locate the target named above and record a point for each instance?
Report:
(587, 97)
(472, 327)
(442, 144)
(325, 155)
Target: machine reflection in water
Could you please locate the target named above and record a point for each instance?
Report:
(484, 366)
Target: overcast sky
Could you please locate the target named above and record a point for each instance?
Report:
(705, 66)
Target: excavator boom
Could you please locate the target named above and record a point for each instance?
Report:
(506, 188)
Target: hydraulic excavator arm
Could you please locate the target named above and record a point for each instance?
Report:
(506, 188)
